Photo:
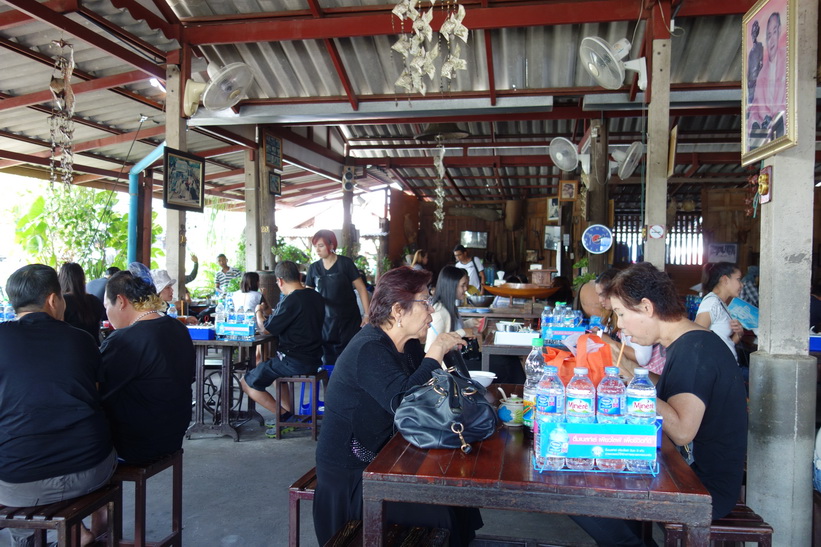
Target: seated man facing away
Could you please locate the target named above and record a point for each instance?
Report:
(297, 321)
(54, 439)
(147, 371)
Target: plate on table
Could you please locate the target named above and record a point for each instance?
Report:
(479, 310)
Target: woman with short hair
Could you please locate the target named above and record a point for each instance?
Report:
(380, 363)
(249, 296)
(701, 392)
(335, 277)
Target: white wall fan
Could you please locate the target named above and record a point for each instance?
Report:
(566, 156)
(226, 87)
(603, 62)
(627, 160)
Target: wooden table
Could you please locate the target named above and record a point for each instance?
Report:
(223, 426)
(498, 474)
(490, 347)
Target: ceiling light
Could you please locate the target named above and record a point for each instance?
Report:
(156, 83)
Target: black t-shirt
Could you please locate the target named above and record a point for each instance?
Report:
(297, 321)
(336, 287)
(51, 421)
(362, 393)
(91, 323)
(699, 362)
(145, 382)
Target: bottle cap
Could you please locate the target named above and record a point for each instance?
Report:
(580, 370)
(551, 369)
(612, 370)
(640, 372)
(537, 342)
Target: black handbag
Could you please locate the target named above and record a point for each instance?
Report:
(448, 411)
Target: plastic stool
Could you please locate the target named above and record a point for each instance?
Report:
(305, 408)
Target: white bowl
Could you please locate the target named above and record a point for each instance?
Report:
(484, 378)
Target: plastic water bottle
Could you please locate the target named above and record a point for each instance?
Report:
(171, 311)
(580, 408)
(610, 403)
(545, 321)
(534, 368)
(8, 312)
(231, 317)
(3, 311)
(549, 410)
(220, 316)
(251, 321)
(641, 409)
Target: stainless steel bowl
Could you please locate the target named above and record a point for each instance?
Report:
(481, 300)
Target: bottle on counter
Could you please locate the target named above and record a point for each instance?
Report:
(171, 311)
(610, 409)
(580, 408)
(534, 369)
(641, 409)
(549, 410)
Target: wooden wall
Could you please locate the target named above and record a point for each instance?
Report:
(725, 221)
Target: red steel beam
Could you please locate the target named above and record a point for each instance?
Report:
(12, 18)
(167, 12)
(106, 82)
(290, 26)
(63, 23)
(336, 59)
(491, 77)
(25, 158)
(225, 175)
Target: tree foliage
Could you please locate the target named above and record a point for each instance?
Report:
(73, 224)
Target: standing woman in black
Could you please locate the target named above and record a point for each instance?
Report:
(83, 310)
(335, 277)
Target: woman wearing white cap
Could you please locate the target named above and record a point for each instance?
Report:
(165, 289)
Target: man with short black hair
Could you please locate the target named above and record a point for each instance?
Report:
(297, 321)
(54, 438)
(471, 264)
(225, 274)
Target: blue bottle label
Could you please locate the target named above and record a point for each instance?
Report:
(610, 406)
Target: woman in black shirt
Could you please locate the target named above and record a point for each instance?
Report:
(379, 364)
(83, 310)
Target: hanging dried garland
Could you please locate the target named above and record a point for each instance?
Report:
(61, 123)
(439, 192)
(420, 61)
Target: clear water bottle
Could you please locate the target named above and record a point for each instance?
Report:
(231, 318)
(172, 310)
(641, 409)
(8, 312)
(549, 410)
(3, 311)
(610, 402)
(220, 316)
(534, 368)
(580, 408)
(545, 321)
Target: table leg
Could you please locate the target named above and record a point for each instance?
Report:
(486, 361)
(225, 398)
(373, 523)
(696, 535)
(199, 425)
(199, 385)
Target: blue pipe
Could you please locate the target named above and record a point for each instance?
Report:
(134, 201)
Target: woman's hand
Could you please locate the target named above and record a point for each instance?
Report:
(738, 330)
(443, 344)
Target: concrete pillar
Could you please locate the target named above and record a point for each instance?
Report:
(347, 225)
(175, 137)
(253, 220)
(782, 375)
(266, 203)
(598, 193)
(658, 136)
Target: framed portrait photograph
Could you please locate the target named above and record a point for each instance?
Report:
(552, 238)
(183, 179)
(722, 252)
(568, 190)
(274, 184)
(273, 151)
(768, 79)
(553, 209)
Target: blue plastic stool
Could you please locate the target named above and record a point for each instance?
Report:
(305, 407)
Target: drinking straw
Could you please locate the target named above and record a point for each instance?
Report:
(621, 352)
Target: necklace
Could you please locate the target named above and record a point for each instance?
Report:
(143, 315)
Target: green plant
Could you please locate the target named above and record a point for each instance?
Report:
(285, 251)
(585, 276)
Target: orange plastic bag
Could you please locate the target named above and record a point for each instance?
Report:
(595, 362)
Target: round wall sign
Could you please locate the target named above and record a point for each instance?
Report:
(597, 239)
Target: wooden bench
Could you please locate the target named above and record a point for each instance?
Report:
(742, 524)
(66, 517)
(350, 535)
(302, 489)
(139, 475)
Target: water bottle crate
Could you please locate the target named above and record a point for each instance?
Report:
(654, 470)
(235, 330)
(600, 441)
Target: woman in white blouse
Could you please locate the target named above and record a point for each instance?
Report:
(451, 287)
(721, 282)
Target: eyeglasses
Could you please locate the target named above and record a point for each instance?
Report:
(427, 301)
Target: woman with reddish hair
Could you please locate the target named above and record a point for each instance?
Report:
(379, 364)
(335, 277)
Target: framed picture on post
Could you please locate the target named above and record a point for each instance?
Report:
(274, 184)
(568, 190)
(553, 209)
(768, 79)
(273, 151)
(183, 177)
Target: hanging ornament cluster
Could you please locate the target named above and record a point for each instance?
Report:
(61, 123)
(416, 49)
(439, 191)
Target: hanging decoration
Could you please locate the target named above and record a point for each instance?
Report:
(61, 123)
(415, 46)
(439, 192)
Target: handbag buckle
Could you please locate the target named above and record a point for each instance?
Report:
(458, 428)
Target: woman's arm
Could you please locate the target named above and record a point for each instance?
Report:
(359, 285)
(440, 323)
(682, 417)
(704, 319)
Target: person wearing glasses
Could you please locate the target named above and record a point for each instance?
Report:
(382, 361)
